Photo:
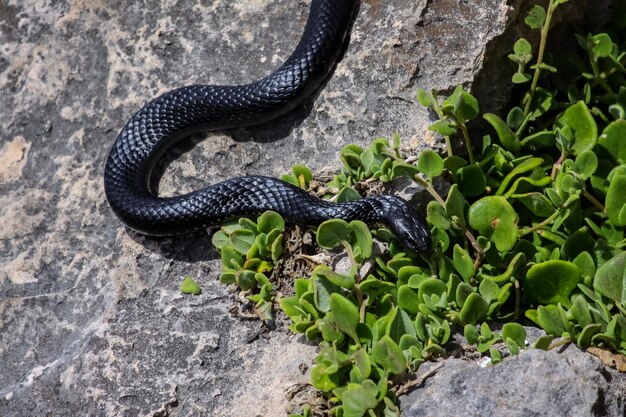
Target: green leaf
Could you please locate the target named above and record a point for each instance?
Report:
(520, 78)
(474, 309)
(536, 17)
(356, 400)
(219, 239)
(362, 237)
(344, 281)
(346, 315)
(407, 299)
(601, 45)
(402, 169)
(542, 139)
(580, 310)
(471, 180)
(515, 332)
(578, 242)
(277, 248)
(301, 175)
(443, 128)
(618, 111)
(347, 194)
(610, 279)
(430, 163)
(541, 103)
(586, 335)
(471, 334)
(525, 182)
(291, 307)
(242, 240)
(487, 338)
(401, 325)
(189, 286)
(363, 362)
(585, 264)
(586, 164)
(430, 287)
(227, 278)
(245, 279)
(453, 163)
(455, 204)
(463, 291)
(522, 47)
(425, 99)
(230, 258)
(489, 289)
(367, 159)
(544, 67)
(616, 199)
(388, 355)
(436, 215)
(495, 219)
(322, 379)
(463, 263)
(323, 289)
(543, 342)
(507, 138)
(537, 203)
(549, 318)
(269, 221)
(613, 139)
(350, 155)
(332, 233)
(467, 107)
(578, 118)
(526, 165)
(551, 282)
(515, 118)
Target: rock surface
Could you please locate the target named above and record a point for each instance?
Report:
(91, 319)
(533, 384)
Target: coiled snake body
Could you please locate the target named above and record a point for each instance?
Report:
(186, 110)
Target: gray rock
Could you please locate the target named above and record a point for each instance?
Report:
(91, 320)
(534, 383)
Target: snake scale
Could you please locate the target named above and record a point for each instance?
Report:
(183, 111)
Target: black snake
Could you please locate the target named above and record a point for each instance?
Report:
(178, 113)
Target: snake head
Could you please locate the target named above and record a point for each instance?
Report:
(409, 226)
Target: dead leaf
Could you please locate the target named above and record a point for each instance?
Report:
(608, 358)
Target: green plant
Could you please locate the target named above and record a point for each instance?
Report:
(249, 251)
(532, 228)
(189, 286)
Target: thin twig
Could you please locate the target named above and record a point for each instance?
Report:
(418, 381)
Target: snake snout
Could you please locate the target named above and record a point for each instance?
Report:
(410, 227)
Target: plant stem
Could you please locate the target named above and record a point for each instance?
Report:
(546, 222)
(542, 47)
(468, 143)
(600, 77)
(437, 110)
(557, 165)
(518, 297)
(550, 219)
(594, 201)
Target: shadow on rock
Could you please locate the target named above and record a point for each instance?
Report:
(190, 247)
